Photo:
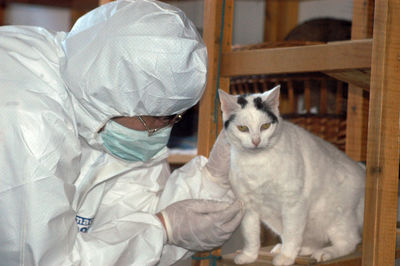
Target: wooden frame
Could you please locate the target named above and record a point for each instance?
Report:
(383, 138)
(381, 56)
(2, 14)
(279, 26)
(211, 36)
(309, 58)
(357, 104)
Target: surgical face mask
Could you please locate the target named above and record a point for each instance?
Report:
(133, 145)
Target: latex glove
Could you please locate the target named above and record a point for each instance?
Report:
(200, 225)
(219, 160)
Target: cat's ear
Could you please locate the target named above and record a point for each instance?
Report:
(228, 103)
(272, 98)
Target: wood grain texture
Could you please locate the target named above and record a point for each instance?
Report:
(280, 18)
(207, 108)
(357, 100)
(343, 55)
(383, 138)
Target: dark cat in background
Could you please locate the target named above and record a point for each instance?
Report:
(322, 30)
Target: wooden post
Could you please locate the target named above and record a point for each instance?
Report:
(280, 18)
(357, 101)
(383, 138)
(213, 10)
(102, 2)
(209, 108)
(2, 12)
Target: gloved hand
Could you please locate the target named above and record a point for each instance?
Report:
(200, 225)
(219, 160)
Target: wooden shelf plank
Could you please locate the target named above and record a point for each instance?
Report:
(334, 56)
(179, 158)
(358, 77)
(265, 259)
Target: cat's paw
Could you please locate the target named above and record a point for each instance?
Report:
(244, 258)
(276, 249)
(281, 259)
(306, 251)
(322, 255)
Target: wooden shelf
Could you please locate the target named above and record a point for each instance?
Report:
(334, 56)
(265, 259)
(179, 158)
(357, 77)
(349, 61)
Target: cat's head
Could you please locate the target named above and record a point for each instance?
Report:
(251, 121)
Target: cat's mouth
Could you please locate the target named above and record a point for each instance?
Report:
(256, 148)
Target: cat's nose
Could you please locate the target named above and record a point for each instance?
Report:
(256, 141)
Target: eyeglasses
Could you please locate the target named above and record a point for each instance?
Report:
(168, 121)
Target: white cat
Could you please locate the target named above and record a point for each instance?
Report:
(302, 187)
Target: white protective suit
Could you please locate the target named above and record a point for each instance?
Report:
(57, 90)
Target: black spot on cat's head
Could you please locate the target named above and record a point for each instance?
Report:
(258, 103)
(227, 122)
(262, 106)
(242, 101)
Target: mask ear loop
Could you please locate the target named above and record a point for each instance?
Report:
(150, 132)
(102, 127)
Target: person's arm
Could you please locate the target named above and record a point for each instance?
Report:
(218, 164)
(125, 226)
(194, 181)
(200, 225)
(201, 178)
(39, 156)
(40, 163)
(137, 238)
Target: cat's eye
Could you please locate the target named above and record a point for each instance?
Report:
(265, 126)
(243, 128)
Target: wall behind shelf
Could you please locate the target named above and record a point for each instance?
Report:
(52, 18)
(248, 17)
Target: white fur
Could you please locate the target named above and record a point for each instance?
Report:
(300, 186)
